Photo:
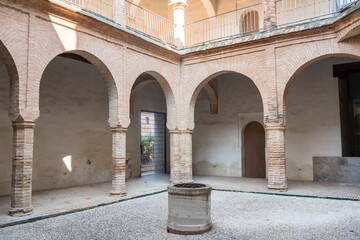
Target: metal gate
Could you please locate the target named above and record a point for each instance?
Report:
(153, 142)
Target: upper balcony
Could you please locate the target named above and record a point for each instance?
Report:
(188, 23)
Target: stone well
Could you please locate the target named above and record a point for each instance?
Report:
(189, 208)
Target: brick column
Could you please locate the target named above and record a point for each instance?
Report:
(180, 156)
(119, 12)
(118, 161)
(21, 184)
(276, 162)
(269, 8)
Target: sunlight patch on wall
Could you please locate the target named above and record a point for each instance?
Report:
(66, 32)
(67, 162)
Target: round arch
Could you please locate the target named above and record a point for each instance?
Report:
(167, 90)
(305, 65)
(203, 83)
(14, 81)
(107, 77)
(9, 108)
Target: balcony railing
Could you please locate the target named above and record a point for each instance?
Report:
(149, 23)
(299, 11)
(100, 7)
(234, 23)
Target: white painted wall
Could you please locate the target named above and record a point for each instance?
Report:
(5, 132)
(313, 118)
(150, 98)
(217, 144)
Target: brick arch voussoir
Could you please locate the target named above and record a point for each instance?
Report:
(135, 91)
(250, 70)
(12, 70)
(100, 63)
(212, 95)
(302, 61)
(165, 85)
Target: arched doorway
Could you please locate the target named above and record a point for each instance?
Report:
(148, 145)
(254, 151)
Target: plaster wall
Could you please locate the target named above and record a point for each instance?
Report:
(150, 98)
(313, 118)
(217, 139)
(5, 132)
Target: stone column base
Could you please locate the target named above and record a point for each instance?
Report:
(20, 212)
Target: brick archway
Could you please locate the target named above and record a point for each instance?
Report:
(154, 76)
(300, 68)
(213, 98)
(311, 107)
(14, 82)
(107, 77)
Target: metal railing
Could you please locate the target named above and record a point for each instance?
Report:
(299, 11)
(101, 7)
(238, 22)
(234, 23)
(149, 23)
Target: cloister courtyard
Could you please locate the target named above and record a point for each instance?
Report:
(106, 106)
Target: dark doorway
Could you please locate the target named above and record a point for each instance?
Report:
(349, 94)
(254, 149)
(153, 142)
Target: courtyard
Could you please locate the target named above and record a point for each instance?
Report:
(103, 104)
(235, 215)
(242, 208)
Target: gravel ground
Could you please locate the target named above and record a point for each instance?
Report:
(235, 216)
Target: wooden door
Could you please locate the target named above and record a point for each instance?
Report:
(254, 145)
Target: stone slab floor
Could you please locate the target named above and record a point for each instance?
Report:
(69, 199)
(235, 216)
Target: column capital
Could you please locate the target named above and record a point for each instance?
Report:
(178, 4)
(181, 131)
(275, 127)
(23, 124)
(119, 129)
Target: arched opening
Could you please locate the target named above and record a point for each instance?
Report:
(72, 142)
(254, 151)
(217, 138)
(321, 103)
(250, 22)
(148, 145)
(8, 75)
